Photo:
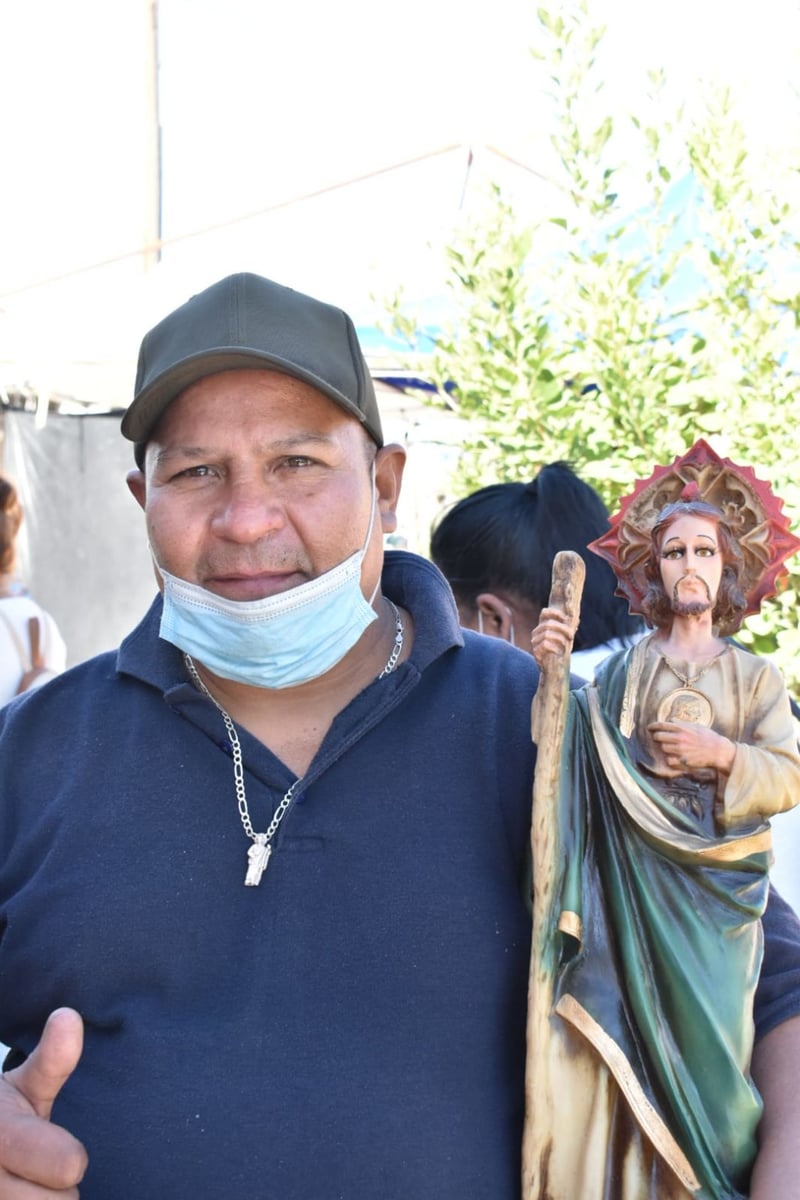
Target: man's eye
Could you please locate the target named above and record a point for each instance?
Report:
(299, 460)
(198, 472)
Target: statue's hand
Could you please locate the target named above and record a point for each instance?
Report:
(688, 747)
(553, 636)
(32, 1150)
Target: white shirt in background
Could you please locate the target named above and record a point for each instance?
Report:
(15, 611)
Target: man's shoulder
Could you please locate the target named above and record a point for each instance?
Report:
(418, 586)
(412, 575)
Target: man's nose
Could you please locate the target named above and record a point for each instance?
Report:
(251, 510)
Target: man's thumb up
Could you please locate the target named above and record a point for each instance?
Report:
(30, 1147)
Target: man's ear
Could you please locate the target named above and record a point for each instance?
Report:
(137, 486)
(389, 464)
(497, 618)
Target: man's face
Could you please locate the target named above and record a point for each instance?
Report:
(691, 564)
(255, 483)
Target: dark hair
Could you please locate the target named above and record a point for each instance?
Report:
(10, 520)
(730, 603)
(507, 535)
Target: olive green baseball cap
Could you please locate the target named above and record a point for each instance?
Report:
(246, 320)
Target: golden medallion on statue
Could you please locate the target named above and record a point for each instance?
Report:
(686, 704)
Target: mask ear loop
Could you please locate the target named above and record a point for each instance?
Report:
(511, 639)
(155, 561)
(369, 532)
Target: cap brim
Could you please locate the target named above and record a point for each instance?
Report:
(147, 409)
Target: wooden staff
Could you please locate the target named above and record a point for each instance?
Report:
(548, 715)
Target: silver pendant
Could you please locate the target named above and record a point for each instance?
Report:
(257, 859)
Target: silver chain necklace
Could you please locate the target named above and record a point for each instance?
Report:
(259, 853)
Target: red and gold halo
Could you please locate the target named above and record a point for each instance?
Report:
(750, 507)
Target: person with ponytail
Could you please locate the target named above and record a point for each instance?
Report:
(496, 549)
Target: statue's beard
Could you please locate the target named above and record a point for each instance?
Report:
(690, 608)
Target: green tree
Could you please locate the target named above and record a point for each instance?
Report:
(618, 331)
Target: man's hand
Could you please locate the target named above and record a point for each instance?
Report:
(32, 1151)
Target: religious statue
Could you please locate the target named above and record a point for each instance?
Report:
(671, 763)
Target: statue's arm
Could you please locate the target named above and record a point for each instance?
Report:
(765, 776)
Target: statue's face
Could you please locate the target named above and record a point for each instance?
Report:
(691, 564)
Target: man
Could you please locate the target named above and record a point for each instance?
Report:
(671, 763)
(272, 850)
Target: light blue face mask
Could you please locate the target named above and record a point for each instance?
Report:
(277, 642)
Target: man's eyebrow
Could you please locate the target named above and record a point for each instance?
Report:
(279, 446)
(169, 452)
(301, 439)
